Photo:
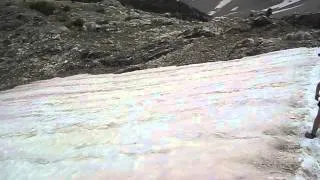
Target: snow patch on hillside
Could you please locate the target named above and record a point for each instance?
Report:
(235, 8)
(201, 120)
(287, 9)
(223, 3)
(284, 3)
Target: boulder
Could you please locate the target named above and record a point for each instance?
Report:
(251, 47)
(197, 32)
(91, 26)
(261, 21)
(247, 42)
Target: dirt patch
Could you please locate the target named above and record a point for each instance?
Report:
(287, 146)
(279, 162)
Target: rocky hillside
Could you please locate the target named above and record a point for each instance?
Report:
(244, 7)
(174, 7)
(45, 39)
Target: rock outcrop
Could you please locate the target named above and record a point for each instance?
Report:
(309, 20)
(176, 8)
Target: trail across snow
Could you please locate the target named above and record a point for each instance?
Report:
(222, 120)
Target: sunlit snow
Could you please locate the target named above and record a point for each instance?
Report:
(223, 3)
(284, 3)
(286, 9)
(235, 8)
(202, 121)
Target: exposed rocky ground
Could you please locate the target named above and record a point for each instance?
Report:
(241, 8)
(42, 40)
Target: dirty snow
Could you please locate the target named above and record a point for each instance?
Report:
(205, 121)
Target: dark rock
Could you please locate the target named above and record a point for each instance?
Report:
(101, 10)
(309, 20)
(101, 22)
(197, 32)
(66, 8)
(6, 42)
(22, 17)
(45, 7)
(62, 17)
(239, 28)
(157, 54)
(87, 1)
(161, 22)
(176, 8)
(129, 69)
(316, 33)
(247, 42)
(117, 62)
(261, 21)
(254, 13)
(79, 22)
(92, 26)
(269, 12)
(251, 47)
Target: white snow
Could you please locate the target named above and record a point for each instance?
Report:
(223, 3)
(284, 3)
(286, 9)
(211, 13)
(311, 155)
(235, 8)
(205, 121)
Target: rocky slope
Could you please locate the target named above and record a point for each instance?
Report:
(244, 7)
(175, 8)
(41, 40)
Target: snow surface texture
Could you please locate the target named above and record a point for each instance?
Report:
(205, 121)
(311, 161)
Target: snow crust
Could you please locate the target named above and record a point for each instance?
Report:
(207, 121)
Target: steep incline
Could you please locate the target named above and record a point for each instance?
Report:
(223, 120)
(243, 7)
(176, 8)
